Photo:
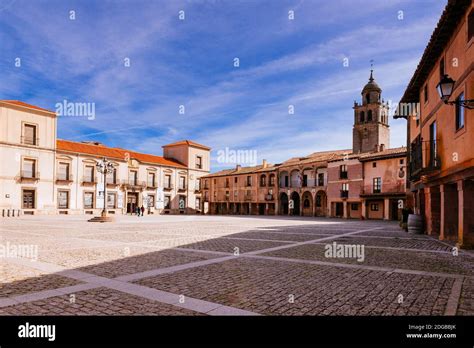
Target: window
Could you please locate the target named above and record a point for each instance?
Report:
(286, 180)
(459, 112)
(374, 207)
(433, 149)
(88, 200)
(343, 172)
(263, 181)
(198, 162)
(167, 202)
(198, 203)
(151, 201)
(306, 203)
(112, 177)
(369, 115)
(29, 168)
(227, 182)
(168, 181)
(470, 26)
(63, 199)
(151, 179)
(249, 180)
(198, 185)
(321, 179)
(425, 93)
(235, 180)
(362, 117)
(182, 202)
(89, 174)
(318, 201)
(29, 199)
(63, 171)
(111, 199)
(402, 161)
(29, 134)
(182, 183)
(132, 177)
(272, 180)
(236, 193)
(345, 187)
(374, 164)
(345, 190)
(354, 206)
(305, 180)
(377, 185)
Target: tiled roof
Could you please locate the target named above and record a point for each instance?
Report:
(395, 152)
(113, 152)
(316, 157)
(243, 170)
(26, 105)
(189, 143)
(447, 24)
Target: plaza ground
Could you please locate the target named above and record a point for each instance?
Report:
(224, 265)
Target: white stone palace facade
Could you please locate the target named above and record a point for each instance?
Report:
(40, 174)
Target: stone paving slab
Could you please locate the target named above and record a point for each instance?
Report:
(99, 301)
(229, 245)
(144, 262)
(404, 259)
(425, 244)
(267, 287)
(20, 280)
(291, 237)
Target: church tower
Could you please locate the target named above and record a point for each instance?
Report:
(371, 130)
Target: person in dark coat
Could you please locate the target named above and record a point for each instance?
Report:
(142, 210)
(138, 210)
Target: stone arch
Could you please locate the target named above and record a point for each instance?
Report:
(307, 199)
(295, 178)
(320, 204)
(283, 203)
(295, 197)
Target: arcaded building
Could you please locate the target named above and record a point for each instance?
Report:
(365, 182)
(41, 174)
(441, 135)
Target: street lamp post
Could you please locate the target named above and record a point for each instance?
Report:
(445, 89)
(104, 167)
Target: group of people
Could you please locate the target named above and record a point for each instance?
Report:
(139, 210)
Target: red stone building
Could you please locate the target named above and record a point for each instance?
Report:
(441, 135)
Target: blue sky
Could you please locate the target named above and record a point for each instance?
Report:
(190, 62)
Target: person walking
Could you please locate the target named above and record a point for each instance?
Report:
(138, 210)
(142, 210)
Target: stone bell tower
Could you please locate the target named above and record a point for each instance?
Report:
(371, 130)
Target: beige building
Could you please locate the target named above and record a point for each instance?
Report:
(41, 174)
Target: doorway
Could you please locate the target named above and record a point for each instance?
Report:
(132, 202)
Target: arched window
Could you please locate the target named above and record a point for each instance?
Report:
(263, 180)
(369, 115)
(306, 203)
(367, 98)
(362, 117)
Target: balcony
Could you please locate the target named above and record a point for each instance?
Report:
(269, 197)
(181, 188)
(343, 175)
(168, 187)
(344, 194)
(197, 188)
(29, 176)
(29, 141)
(133, 184)
(248, 184)
(384, 190)
(112, 183)
(248, 197)
(88, 181)
(64, 179)
(151, 185)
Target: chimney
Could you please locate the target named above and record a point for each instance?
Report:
(376, 148)
(238, 167)
(264, 163)
(382, 147)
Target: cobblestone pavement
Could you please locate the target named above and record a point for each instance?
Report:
(222, 265)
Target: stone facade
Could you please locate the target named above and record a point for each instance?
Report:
(41, 174)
